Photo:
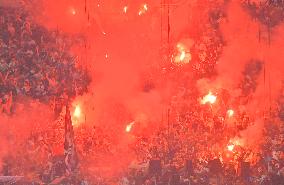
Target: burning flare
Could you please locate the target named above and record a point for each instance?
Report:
(143, 9)
(182, 55)
(125, 9)
(230, 113)
(77, 112)
(209, 98)
(77, 115)
(145, 6)
(129, 126)
(231, 147)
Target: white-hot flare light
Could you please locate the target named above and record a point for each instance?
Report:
(77, 112)
(182, 56)
(125, 9)
(231, 147)
(143, 9)
(230, 113)
(209, 98)
(145, 6)
(77, 115)
(129, 126)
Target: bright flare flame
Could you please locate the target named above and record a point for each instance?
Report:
(209, 98)
(230, 113)
(183, 55)
(77, 112)
(77, 115)
(145, 6)
(125, 9)
(231, 147)
(143, 9)
(129, 126)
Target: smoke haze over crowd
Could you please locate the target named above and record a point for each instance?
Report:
(147, 68)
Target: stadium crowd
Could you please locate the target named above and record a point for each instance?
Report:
(35, 62)
(198, 145)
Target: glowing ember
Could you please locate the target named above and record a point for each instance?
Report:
(77, 112)
(230, 113)
(231, 147)
(129, 126)
(209, 98)
(73, 11)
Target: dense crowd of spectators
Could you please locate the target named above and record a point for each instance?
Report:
(202, 144)
(35, 62)
(190, 139)
(268, 12)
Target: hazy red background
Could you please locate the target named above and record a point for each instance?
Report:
(122, 52)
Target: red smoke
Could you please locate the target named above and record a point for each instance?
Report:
(122, 52)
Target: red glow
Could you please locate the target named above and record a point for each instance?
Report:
(198, 79)
(73, 11)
